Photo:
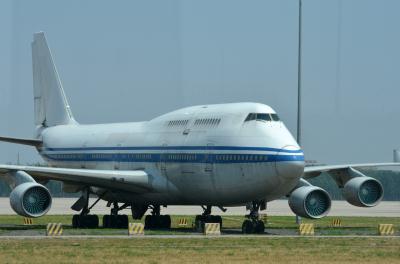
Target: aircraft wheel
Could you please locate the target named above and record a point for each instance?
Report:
(165, 221)
(93, 221)
(123, 221)
(106, 221)
(85, 221)
(113, 221)
(217, 219)
(148, 222)
(199, 225)
(75, 221)
(247, 227)
(259, 227)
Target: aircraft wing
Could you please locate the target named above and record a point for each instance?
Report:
(342, 173)
(137, 181)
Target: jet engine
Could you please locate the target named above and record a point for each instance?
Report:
(310, 202)
(30, 199)
(363, 191)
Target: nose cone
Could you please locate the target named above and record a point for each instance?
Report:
(289, 162)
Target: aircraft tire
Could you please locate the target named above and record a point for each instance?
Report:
(93, 221)
(259, 227)
(148, 222)
(106, 221)
(123, 221)
(216, 219)
(165, 221)
(247, 227)
(75, 223)
(199, 225)
(114, 221)
(82, 222)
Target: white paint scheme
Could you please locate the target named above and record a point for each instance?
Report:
(186, 182)
(174, 159)
(51, 105)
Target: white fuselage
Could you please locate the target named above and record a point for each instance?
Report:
(206, 154)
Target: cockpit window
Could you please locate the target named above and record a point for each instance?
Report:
(275, 117)
(262, 117)
(250, 117)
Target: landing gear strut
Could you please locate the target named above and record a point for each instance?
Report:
(253, 225)
(206, 217)
(84, 220)
(114, 220)
(156, 220)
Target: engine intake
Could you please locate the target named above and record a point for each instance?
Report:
(30, 199)
(363, 191)
(310, 202)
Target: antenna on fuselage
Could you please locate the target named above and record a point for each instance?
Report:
(298, 218)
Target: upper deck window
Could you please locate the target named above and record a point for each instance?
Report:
(262, 117)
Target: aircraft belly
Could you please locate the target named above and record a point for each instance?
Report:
(192, 184)
(228, 184)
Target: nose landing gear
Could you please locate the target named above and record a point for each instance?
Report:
(253, 225)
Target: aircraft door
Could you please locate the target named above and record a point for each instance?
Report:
(163, 159)
(117, 157)
(208, 159)
(209, 167)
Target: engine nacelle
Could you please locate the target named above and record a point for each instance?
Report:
(310, 202)
(363, 191)
(30, 199)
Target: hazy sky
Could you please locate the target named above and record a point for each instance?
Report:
(133, 60)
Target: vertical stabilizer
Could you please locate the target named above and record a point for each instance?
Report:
(50, 102)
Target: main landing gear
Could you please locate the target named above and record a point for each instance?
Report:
(253, 225)
(206, 217)
(156, 220)
(84, 219)
(114, 220)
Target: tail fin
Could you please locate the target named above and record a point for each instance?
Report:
(50, 102)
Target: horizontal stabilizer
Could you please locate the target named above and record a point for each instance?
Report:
(23, 141)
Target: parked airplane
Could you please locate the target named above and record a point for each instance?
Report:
(208, 155)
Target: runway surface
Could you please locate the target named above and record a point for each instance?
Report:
(279, 207)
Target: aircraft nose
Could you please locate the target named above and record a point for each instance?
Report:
(289, 162)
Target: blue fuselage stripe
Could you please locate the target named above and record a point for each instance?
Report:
(235, 148)
(172, 157)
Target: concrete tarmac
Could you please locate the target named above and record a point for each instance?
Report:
(279, 207)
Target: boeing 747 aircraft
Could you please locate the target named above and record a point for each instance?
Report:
(208, 155)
